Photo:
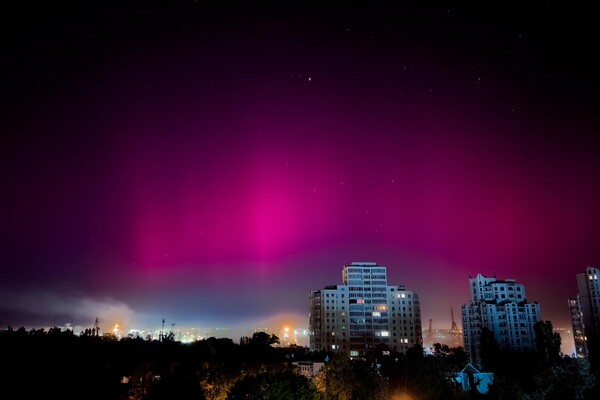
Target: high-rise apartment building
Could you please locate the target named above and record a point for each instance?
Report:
(585, 314)
(502, 307)
(579, 338)
(364, 312)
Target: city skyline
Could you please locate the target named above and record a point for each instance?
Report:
(212, 165)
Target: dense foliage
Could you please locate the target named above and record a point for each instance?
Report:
(58, 364)
(541, 373)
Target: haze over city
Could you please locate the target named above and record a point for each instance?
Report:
(212, 164)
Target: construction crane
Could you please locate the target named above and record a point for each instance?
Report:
(454, 328)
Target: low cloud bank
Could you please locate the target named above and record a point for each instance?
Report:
(43, 308)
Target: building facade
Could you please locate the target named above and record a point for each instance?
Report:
(585, 314)
(579, 337)
(363, 313)
(502, 307)
(308, 369)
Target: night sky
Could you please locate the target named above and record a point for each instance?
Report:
(212, 164)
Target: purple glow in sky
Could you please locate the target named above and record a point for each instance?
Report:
(212, 165)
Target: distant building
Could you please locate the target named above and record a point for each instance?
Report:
(443, 336)
(309, 369)
(502, 307)
(364, 312)
(585, 314)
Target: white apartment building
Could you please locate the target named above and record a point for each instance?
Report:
(364, 312)
(502, 307)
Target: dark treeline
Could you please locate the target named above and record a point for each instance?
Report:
(59, 364)
(541, 373)
(44, 363)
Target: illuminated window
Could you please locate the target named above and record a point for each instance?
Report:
(353, 353)
(376, 314)
(385, 333)
(360, 301)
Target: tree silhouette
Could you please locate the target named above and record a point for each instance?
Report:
(489, 350)
(547, 342)
(273, 386)
(440, 350)
(336, 379)
(263, 339)
(345, 379)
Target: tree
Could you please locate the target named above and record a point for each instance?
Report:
(415, 375)
(217, 382)
(273, 386)
(457, 358)
(547, 343)
(336, 379)
(505, 389)
(169, 337)
(440, 350)
(489, 350)
(263, 339)
(344, 379)
(568, 379)
(369, 383)
(415, 354)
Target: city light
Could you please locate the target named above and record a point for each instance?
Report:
(116, 331)
(403, 396)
